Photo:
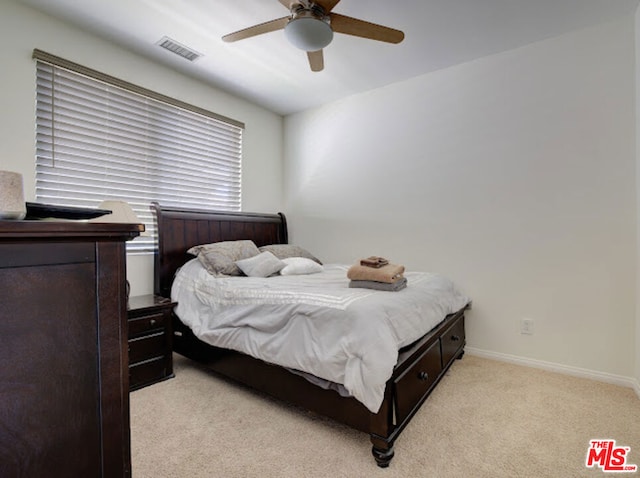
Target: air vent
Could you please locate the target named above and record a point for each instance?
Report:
(181, 50)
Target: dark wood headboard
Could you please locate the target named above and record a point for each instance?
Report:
(180, 229)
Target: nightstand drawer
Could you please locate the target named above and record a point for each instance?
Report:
(151, 371)
(146, 323)
(147, 347)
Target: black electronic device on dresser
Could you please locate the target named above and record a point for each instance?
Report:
(150, 333)
(64, 391)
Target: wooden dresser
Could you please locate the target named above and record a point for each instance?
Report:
(64, 383)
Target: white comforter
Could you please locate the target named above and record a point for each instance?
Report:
(315, 323)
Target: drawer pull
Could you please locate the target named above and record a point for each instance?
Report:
(424, 376)
(152, 322)
(455, 338)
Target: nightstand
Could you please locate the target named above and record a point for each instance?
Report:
(150, 358)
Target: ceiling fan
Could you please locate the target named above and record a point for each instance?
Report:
(310, 27)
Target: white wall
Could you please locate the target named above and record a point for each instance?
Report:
(23, 29)
(637, 76)
(513, 174)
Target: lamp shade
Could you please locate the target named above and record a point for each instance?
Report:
(12, 205)
(308, 33)
(121, 211)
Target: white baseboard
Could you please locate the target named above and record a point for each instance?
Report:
(620, 380)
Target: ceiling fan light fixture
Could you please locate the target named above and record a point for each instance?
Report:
(308, 33)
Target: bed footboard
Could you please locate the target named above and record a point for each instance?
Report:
(420, 368)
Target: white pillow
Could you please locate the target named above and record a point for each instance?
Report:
(261, 265)
(300, 265)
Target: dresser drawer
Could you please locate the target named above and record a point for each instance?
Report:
(453, 339)
(147, 347)
(146, 323)
(149, 372)
(414, 384)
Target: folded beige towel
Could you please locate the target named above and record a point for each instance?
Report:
(389, 273)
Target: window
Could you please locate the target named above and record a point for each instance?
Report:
(101, 138)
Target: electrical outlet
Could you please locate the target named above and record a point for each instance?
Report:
(526, 326)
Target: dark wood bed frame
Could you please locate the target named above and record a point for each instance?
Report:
(420, 366)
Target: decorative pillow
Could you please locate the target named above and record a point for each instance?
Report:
(221, 257)
(283, 251)
(262, 265)
(300, 265)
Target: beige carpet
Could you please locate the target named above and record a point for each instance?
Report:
(485, 419)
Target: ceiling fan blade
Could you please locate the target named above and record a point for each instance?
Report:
(265, 27)
(327, 5)
(316, 60)
(360, 28)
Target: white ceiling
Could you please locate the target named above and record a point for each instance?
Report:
(269, 71)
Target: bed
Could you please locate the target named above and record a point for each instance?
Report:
(420, 365)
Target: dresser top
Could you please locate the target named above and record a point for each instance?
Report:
(10, 231)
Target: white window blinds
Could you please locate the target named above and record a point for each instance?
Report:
(99, 138)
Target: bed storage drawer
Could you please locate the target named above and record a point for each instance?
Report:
(413, 385)
(453, 340)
